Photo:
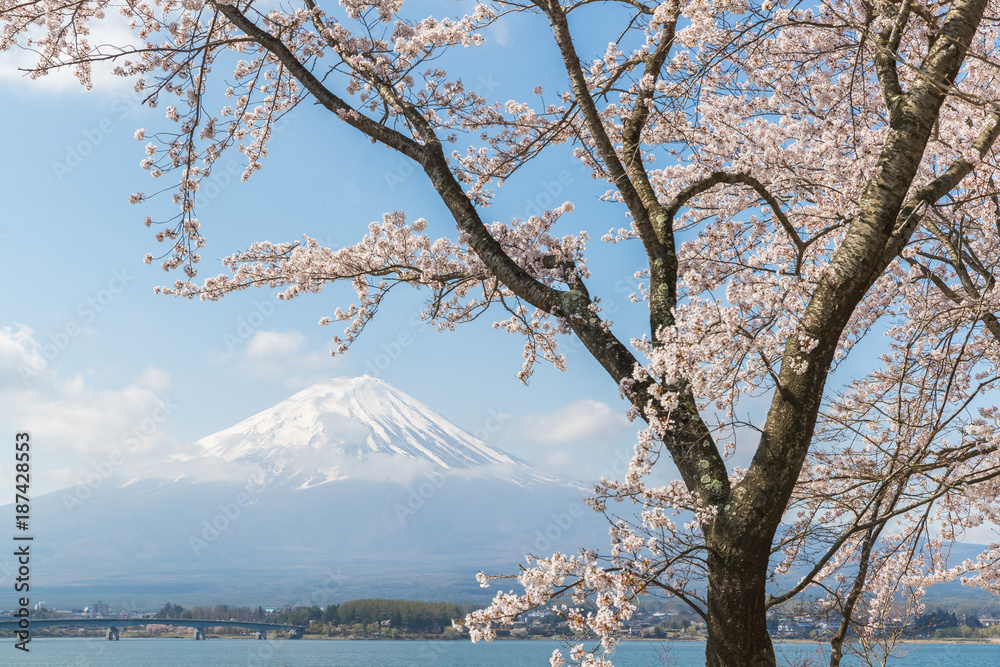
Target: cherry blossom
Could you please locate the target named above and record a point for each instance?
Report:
(810, 191)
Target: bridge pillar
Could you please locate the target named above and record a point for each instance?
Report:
(198, 633)
(262, 634)
(112, 634)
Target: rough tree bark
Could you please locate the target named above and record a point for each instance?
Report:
(739, 539)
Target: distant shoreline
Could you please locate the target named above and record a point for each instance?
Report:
(812, 642)
(951, 640)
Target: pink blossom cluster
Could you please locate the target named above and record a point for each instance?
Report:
(740, 148)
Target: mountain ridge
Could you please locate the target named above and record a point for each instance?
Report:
(348, 427)
(350, 476)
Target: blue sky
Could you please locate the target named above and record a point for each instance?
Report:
(111, 379)
(94, 361)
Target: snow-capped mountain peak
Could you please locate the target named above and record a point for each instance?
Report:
(350, 474)
(347, 426)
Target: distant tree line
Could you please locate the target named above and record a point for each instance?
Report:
(357, 617)
(221, 612)
(940, 624)
(377, 616)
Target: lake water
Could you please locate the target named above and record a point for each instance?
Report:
(136, 652)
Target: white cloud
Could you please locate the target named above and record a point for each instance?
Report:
(155, 379)
(275, 343)
(585, 421)
(499, 33)
(556, 461)
(21, 358)
(113, 29)
(78, 432)
(583, 440)
(282, 356)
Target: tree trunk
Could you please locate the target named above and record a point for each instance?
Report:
(837, 641)
(737, 624)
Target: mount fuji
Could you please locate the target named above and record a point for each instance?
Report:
(349, 488)
(354, 427)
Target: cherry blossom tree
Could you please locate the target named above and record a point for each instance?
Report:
(798, 178)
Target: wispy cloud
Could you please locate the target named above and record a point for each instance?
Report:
(113, 29)
(583, 422)
(80, 430)
(284, 356)
(579, 440)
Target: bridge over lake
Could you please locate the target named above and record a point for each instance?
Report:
(114, 625)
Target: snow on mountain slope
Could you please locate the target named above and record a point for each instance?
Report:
(356, 428)
(349, 476)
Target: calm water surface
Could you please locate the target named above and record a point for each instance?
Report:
(135, 652)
